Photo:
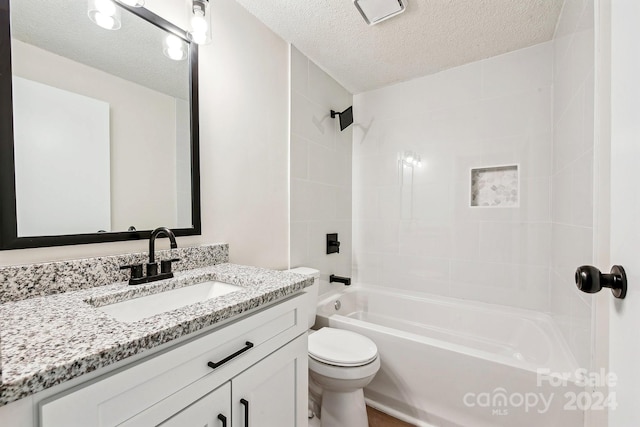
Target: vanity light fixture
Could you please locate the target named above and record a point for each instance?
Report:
(105, 14)
(174, 48)
(411, 160)
(199, 19)
(133, 3)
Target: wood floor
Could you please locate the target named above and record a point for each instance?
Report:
(380, 419)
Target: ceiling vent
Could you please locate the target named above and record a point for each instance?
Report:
(376, 11)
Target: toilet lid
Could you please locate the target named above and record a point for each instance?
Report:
(341, 348)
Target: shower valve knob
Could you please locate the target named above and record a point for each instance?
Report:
(591, 280)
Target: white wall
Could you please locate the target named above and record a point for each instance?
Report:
(625, 208)
(243, 141)
(572, 185)
(142, 127)
(320, 171)
(421, 235)
(62, 166)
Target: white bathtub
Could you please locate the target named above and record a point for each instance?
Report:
(448, 362)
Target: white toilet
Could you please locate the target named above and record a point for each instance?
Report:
(341, 364)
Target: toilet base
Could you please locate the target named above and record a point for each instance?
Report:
(343, 408)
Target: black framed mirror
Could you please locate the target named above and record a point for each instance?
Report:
(99, 134)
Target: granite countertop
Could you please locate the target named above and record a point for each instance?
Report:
(51, 339)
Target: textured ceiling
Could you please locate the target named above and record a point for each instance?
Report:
(430, 36)
(134, 52)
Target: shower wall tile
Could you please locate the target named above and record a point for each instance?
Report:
(517, 71)
(536, 150)
(377, 170)
(299, 73)
(344, 201)
(311, 121)
(535, 199)
(324, 90)
(409, 224)
(515, 243)
(516, 114)
(572, 179)
(466, 240)
(365, 204)
(447, 90)
(299, 150)
(299, 242)
(367, 267)
(321, 171)
(328, 166)
(571, 16)
(572, 247)
(390, 202)
(312, 201)
(378, 236)
(424, 238)
(413, 273)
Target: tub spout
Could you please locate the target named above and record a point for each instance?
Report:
(340, 279)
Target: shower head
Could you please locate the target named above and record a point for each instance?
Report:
(346, 117)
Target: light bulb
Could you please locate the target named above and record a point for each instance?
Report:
(105, 7)
(199, 24)
(105, 14)
(199, 21)
(175, 53)
(198, 38)
(173, 48)
(105, 21)
(173, 42)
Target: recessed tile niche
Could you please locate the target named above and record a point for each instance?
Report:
(495, 186)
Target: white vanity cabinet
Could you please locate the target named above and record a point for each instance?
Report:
(265, 395)
(262, 372)
(212, 410)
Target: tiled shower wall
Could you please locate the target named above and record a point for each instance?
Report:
(320, 171)
(572, 183)
(414, 229)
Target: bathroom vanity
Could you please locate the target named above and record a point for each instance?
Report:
(261, 386)
(238, 359)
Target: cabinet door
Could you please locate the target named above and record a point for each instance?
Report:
(273, 392)
(213, 410)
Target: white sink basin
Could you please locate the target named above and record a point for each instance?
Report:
(140, 308)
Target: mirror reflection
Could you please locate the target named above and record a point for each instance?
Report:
(101, 113)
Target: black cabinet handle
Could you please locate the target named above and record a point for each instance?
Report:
(590, 280)
(223, 419)
(245, 403)
(214, 365)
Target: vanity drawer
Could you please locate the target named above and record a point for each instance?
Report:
(116, 397)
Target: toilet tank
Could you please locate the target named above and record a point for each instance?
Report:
(311, 291)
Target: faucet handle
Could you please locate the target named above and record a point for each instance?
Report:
(165, 266)
(136, 270)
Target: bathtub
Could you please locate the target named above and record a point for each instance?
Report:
(448, 362)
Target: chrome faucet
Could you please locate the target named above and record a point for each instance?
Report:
(152, 266)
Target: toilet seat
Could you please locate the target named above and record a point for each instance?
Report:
(342, 348)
